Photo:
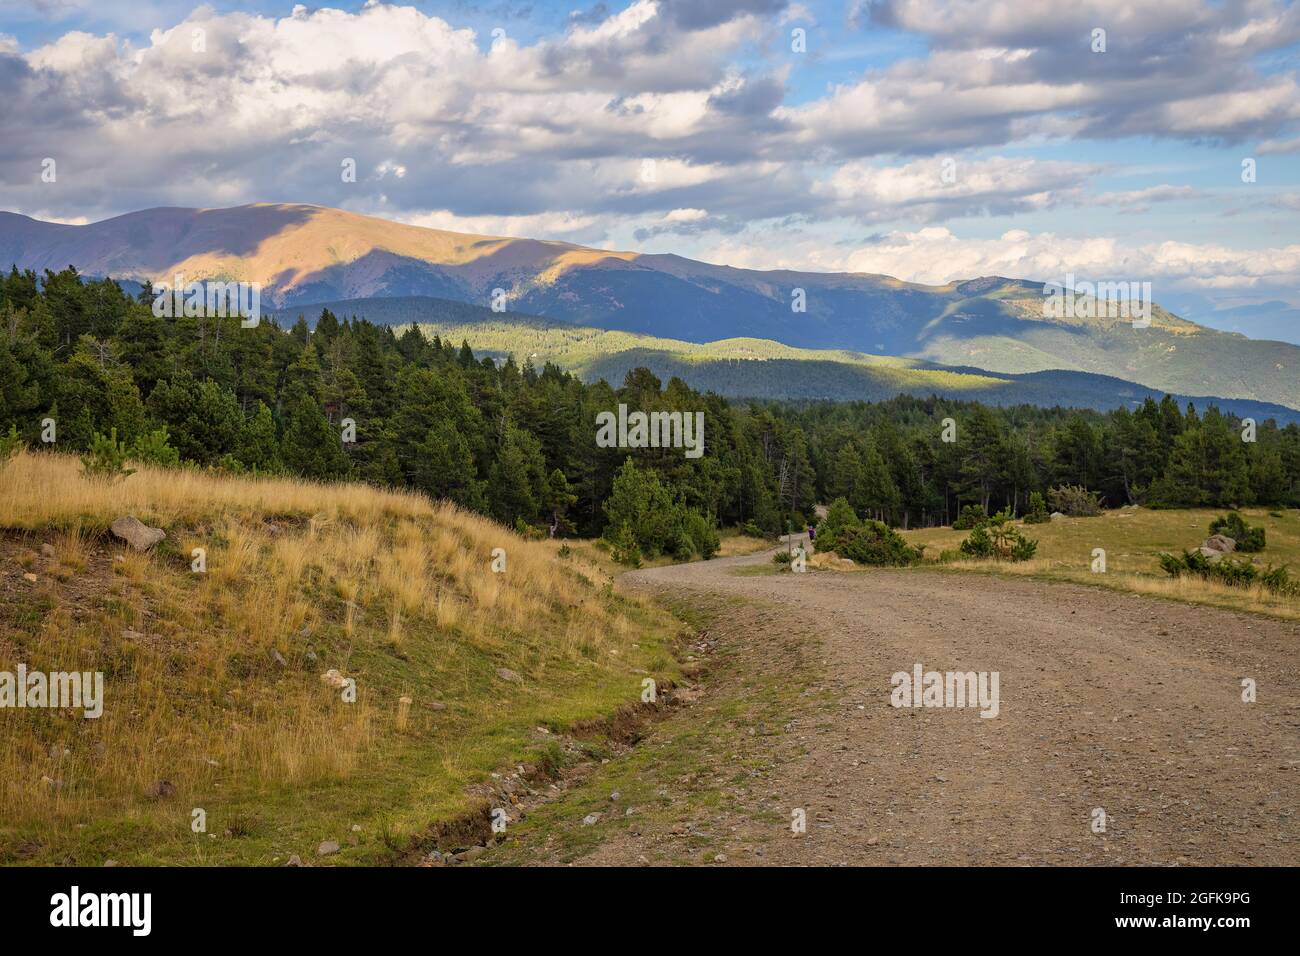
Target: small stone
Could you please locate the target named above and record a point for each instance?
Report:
(437, 705)
(136, 533)
(29, 577)
(294, 860)
(279, 658)
(590, 819)
(327, 848)
(720, 858)
(48, 550)
(506, 673)
(615, 796)
(333, 678)
(111, 863)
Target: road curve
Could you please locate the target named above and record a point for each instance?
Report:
(1110, 702)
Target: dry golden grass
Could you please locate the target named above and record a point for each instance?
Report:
(1133, 540)
(212, 680)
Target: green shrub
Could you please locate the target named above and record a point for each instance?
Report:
(683, 548)
(106, 459)
(655, 517)
(1075, 501)
(1037, 513)
(782, 557)
(996, 538)
(10, 444)
(866, 542)
(1236, 573)
(875, 543)
(978, 544)
(152, 449)
(702, 532)
(839, 515)
(528, 531)
(623, 546)
(1233, 525)
(971, 516)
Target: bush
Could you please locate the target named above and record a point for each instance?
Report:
(866, 542)
(875, 543)
(152, 449)
(654, 518)
(1242, 574)
(702, 533)
(997, 539)
(782, 557)
(1037, 513)
(839, 515)
(1249, 539)
(527, 531)
(10, 445)
(623, 546)
(106, 458)
(971, 516)
(1075, 501)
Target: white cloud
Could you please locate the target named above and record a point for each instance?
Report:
(935, 255)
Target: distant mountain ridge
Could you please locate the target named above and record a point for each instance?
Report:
(752, 368)
(303, 254)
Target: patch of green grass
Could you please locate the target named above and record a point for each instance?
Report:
(671, 777)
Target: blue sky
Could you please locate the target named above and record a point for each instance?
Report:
(928, 140)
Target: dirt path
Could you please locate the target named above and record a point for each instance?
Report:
(1107, 700)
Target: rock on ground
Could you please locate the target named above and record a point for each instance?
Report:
(136, 533)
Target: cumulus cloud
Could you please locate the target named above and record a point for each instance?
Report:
(935, 255)
(653, 119)
(1008, 69)
(936, 189)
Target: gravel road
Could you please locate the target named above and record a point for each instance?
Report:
(1109, 702)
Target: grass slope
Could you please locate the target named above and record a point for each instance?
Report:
(1133, 539)
(768, 369)
(389, 588)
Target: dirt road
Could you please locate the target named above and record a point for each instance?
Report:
(1108, 703)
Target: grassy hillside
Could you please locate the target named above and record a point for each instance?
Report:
(764, 368)
(1133, 539)
(213, 690)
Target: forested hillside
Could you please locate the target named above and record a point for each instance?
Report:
(518, 443)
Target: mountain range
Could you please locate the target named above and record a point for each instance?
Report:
(303, 255)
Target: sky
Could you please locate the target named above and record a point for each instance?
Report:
(1156, 140)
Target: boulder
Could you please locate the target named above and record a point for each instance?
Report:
(332, 678)
(1221, 543)
(136, 533)
(1056, 514)
(1210, 554)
